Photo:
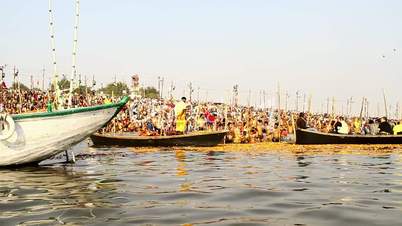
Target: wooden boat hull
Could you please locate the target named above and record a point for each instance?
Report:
(311, 137)
(39, 136)
(202, 139)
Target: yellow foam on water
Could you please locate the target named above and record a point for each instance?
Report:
(258, 148)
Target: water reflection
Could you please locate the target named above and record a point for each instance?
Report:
(181, 163)
(181, 170)
(43, 194)
(302, 161)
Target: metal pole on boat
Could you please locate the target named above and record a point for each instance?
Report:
(19, 85)
(279, 98)
(378, 109)
(342, 109)
(226, 110)
(350, 106)
(265, 106)
(159, 87)
(198, 94)
(385, 103)
(279, 111)
(86, 85)
(226, 113)
(2, 74)
(367, 109)
(361, 109)
(190, 87)
(255, 100)
(172, 88)
(55, 76)
(163, 81)
(74, 55)
(14, 79)
(43, 79)
(249, 98)
(322, 107)
(286, 101)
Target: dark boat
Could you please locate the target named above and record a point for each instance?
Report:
(127, 140)
(304, 136)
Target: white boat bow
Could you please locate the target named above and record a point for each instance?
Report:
(38, 136)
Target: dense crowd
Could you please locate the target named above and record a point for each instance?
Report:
(15, 102)
(152, 117)
(25, 101)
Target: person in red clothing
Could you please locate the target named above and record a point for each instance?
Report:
(210, 119)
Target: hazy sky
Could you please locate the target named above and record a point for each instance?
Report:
(323, 48)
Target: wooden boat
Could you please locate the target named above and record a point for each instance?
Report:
(31, 138)
(304, 136)
(127, 140)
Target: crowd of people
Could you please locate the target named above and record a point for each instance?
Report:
(153, 117)
(13, 101)
(352, 125)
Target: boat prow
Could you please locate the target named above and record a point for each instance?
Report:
(38, 136)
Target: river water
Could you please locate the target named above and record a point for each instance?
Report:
(111, 186)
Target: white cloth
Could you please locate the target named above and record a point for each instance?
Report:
(344, 129)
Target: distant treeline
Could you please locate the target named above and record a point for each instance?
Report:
(115, 89)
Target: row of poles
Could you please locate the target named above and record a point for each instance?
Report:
(303, 102)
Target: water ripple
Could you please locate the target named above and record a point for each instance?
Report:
(187, 187)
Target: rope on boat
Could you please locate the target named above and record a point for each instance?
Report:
(7, 126)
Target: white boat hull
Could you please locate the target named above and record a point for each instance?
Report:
(38, 138)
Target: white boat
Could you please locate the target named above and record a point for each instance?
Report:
(31, 138)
